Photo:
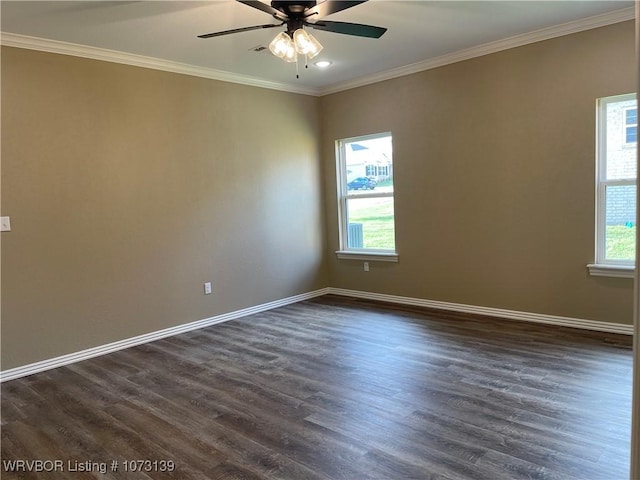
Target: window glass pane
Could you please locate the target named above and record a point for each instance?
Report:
(620, 149)
(370, 223)
(632, 116)
(620, 233)
(369, 165)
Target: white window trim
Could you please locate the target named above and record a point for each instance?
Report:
(605, 267)
(601, 219)
(346, 253)
(368, 255)
(616, 271)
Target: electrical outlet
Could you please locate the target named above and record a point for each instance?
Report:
(207, 288)
(5, 224)
(366, 266)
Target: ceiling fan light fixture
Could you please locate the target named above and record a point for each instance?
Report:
(291, 55)
(301, 41)
(306, 44)
(281, 45)
(315, 49)
(287, 47)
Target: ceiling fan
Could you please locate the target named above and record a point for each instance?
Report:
(296, 15)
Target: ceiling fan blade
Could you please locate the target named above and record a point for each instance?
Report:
(355, 29)
(265, 8)
(330, 6)
(238, 30)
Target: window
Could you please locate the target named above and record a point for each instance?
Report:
(365, 197)
(617, 125)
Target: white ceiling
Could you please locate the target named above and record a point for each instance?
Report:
(420, 34)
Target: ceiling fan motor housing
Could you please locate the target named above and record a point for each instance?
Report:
(297, 13)
(295, 8)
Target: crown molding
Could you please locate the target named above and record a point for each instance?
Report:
(94, 53)
(64, 48)
(548, 33)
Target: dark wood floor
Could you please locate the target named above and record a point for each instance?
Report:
(335, 388)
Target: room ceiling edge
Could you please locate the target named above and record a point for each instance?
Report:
(94, 53)
(53, 46)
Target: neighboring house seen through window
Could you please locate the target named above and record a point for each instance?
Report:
(365, 195)
(617, 127)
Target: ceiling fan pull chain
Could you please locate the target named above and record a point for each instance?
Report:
(297, 73)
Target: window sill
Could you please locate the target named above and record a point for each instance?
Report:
(367, 256)
(618, 271)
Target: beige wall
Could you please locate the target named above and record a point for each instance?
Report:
(128, 188)
(494, 177)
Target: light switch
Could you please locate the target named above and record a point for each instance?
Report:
(5, 224)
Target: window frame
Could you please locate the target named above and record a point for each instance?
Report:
(604, 266)
(346, 252)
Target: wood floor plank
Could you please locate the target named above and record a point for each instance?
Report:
(337, 388)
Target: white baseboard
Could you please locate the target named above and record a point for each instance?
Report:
(493, 312)
(56, 362)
